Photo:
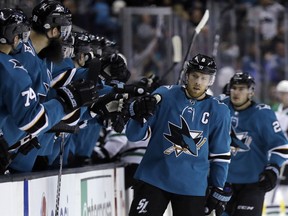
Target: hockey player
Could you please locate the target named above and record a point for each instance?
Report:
(51, 22)
(282, 109)
(20, 105)
(80, 146)
(255, 164)
(278, 195)
(282, 116)
(189, 142)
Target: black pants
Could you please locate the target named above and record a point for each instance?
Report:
(247, 200)
(152, 201)
(130, 170)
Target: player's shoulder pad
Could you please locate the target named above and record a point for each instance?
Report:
(261, 110)
(217, 100)
(219, 106)
(222, 97)
(162, 90)
(166, 91)
(263, 107)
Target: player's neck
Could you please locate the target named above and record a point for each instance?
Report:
(243, 106)
(39, 41)
(201, 97)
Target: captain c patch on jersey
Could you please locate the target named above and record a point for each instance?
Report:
(183, 139)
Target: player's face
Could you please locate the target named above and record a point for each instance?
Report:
(197, 83)
(240, 94)
(16, 42)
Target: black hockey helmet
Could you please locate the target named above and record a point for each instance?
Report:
(201, 63)
(49, 14)
(114, 67)
(82, 42)
(242, 78)
(101, 45)
(12, 23)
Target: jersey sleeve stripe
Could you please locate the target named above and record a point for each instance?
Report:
(220, 157)
(282, 151)
(37, 124)
(63, 79)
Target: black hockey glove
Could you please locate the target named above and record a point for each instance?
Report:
(76, 94)
(142, 107)
(94, 70)
(114, 67)
(118, 123)
(107, 105)
(27, 147)
(217, 200)
(268, 178)
(151, 83)
(4, 155)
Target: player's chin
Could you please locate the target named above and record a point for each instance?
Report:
(236, 102)
(196, 93)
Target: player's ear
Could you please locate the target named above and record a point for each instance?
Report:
(251, 94)
(16, 41)
(53, 32)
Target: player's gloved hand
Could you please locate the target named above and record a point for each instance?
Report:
(107, 104)
(118, 123)
(142, 107)
(153, 82)
(114, 67)
(94, 69)
(217, 200)
(76, 94)
(4, 155)
(268, 178)
(27, 147)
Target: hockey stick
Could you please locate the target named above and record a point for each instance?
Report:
(196, 31)
(177, 54)
(62, 135)
(217, 31)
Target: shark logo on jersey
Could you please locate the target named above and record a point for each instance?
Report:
(240, 142)
(17, 64)
(28, 49)
(183, 139)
